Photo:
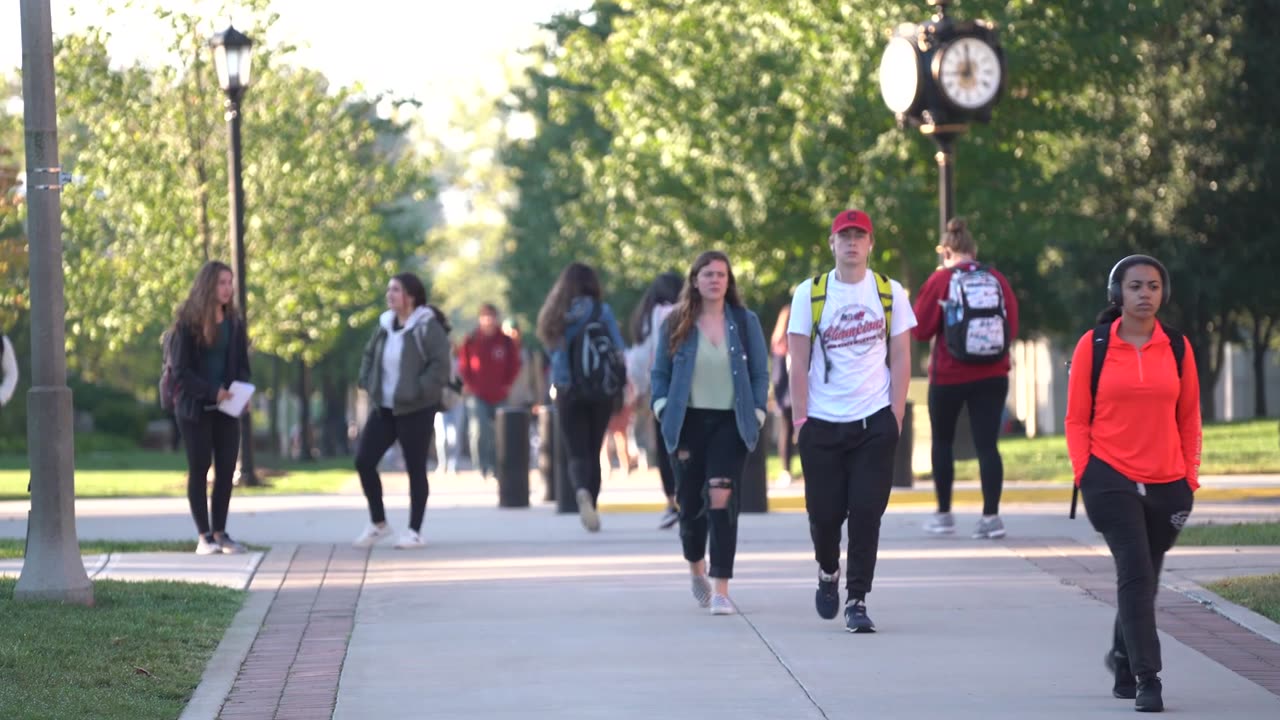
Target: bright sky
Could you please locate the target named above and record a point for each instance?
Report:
(440, 51)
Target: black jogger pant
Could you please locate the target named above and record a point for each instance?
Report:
(665, 471)
(848, 473)
(382, 429)
(1140, 523)
(985, 400)
(583, 424)
(710, 451)
(214, 437)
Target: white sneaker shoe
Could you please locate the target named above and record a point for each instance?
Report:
(587, 511)
(206, 545)
(372, 535)
(409, 540)
(784, 480)
(943, 523)
(722, 605)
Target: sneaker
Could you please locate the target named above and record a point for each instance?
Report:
(409, 540)
(855, 618)
(722, 605)
(827, 598)
(1126, 685)
(587, 510)
(372, 535)
(669, 518)
(1149, 695)
(230, 547)
(784, 480)
(701, 590)
(989, 529)
(943, 523)
(206, 545)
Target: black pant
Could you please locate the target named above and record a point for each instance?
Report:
(1139, 527)
(583, 425)
(710, 454)
(381, 430)
(214, 436)
(985, 399)
(664, 461)
(848, 473)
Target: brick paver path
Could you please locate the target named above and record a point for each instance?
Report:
(293, 667)
(1193, 624)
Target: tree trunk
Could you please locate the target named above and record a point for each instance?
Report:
(304, 412)
(334, 442)
(273, 413)
(1262, 328)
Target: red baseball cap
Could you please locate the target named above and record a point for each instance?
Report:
(851, 219)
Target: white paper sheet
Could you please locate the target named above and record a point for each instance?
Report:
(240, 394)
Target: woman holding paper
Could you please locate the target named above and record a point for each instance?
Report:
(211, 352)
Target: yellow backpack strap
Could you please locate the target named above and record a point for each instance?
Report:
(886, 300)
(817, 301)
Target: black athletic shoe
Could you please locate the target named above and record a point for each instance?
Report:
(1126, 686)
(1149, 695)
(827, 599)
(855, 618)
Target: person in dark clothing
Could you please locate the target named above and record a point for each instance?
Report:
(573, 303)
(710, 384)
(1134, 441)
(780, 379)
(646, 322)
(212, 351)
(404, 370)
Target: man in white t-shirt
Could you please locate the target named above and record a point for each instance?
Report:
(849, 413)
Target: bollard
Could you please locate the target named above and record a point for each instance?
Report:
(511, 429)
(566, 500)
(548, 452)
(902, 455)
(753, 496)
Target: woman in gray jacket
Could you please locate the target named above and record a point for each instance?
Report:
(710, 384)
(404, 369)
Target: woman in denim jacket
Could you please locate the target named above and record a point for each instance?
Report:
(710, 385)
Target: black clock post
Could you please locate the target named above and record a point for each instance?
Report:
(940, 76)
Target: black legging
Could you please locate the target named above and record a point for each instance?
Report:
(383, 429)
(583, 425)
(664, 461)
(985, 399)
(786, 443)
(215, 437)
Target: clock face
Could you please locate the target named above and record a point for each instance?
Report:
(968, 72)
(899, 75)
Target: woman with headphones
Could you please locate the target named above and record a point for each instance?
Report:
(1133, 434)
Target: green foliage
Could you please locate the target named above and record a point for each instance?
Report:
(1259, 593)
(1264, 533)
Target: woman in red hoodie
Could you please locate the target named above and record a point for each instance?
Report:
(1135, 451)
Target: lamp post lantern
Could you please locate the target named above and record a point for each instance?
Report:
(940, 76)
(232, 56)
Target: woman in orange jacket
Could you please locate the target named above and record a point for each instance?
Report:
(1133, 433)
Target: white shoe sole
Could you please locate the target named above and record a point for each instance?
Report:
(989, 536)
(363, 544)
(940, 531)
(409, 546)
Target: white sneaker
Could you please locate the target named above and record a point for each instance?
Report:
(722, 605)
(587, 511)
(943, 523)
(206, 545)
(784, 480)
(409, 540)
(372, 535)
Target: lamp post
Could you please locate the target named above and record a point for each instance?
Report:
(53, 569)
(939, 76)
(232, 53)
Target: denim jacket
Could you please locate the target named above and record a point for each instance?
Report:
(671, 379)
(575, 321)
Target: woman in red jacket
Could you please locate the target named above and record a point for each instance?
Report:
(982, 384)
(1135, 451)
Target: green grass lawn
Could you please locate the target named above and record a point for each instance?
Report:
(141, 473)
(10, 549)
(1259, 593)
(1265, 533)
(138, 654)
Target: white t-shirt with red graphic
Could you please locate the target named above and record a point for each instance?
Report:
(852, 331)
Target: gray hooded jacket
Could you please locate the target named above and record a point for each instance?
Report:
(424, 363)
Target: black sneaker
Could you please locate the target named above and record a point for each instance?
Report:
(1149, 695)
(827, 599)
(855, 618)
(1126, 686)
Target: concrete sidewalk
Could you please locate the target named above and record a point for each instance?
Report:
(231, 571)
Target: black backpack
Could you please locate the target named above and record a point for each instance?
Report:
(1101, 340)
(597, 366)
(170, 381)
(975, 321)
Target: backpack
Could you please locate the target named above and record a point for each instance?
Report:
(818, 300)
(1101, 340)
(597, 367)
(170, 380)
(975, 322)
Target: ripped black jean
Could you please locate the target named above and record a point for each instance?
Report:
(710, 451)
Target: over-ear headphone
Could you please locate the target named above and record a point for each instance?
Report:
(1115, 293)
